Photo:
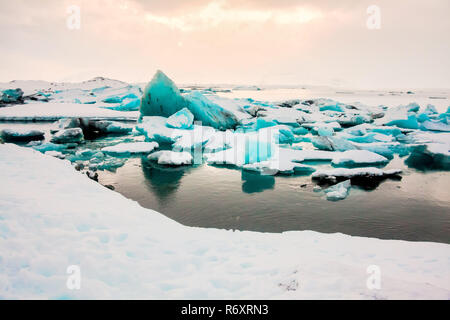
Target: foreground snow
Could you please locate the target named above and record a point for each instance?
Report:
(52, 217)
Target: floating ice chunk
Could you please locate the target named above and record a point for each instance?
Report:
(325, 131)
(339, 174)
(11, 96)
(432, 125)
(73, 135)
(249, 88)
(105, 126)
(410, 123)
(316, 125)
(306, 155)
(119, 99)
(331, 107)
(190, 139)
(209, 112)
(82, 154)
(430, 109)
(338, 191)
(358, 158)
(172, 158)
(386, 149)
(322, 143)
(24, 135)
(131, 148)
(110, 164)
(154, 128)
(300, 131)
(430, 156)
(48, 146)
(255, 125)
(182, 119)
(332, 144)
(281, 166)
(66, 123)
(371, 137)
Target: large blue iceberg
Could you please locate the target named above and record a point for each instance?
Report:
(162, 98)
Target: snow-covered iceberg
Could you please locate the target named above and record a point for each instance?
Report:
(21, 135)
(172, 158)
(338, 191)
(72, 135)
(131, 148)
(182, 119)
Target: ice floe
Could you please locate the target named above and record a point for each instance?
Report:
(338, 191)
(131, 148)
(21, 135)
(72, 135)
(167, 157)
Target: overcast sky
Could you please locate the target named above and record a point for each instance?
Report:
(230, 41)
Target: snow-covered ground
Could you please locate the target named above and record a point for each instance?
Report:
(52, 217)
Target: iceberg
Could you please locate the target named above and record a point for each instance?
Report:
(332, 144)
(182, 119)
(281, 166)
(106, 126)
(162, 98)
(48, 146)
(66, 123)
(354, 174)
(358, 158)
(11, 96)
(21, 135)
(155, 129)
(131, 148)
(433, 125)
(410, 123)
(325, 131)
(386, 149)
(73, 135)
(430, 156)
(338, 191)
(172, 158)
(210, 113)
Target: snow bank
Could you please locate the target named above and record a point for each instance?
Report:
(55, 217)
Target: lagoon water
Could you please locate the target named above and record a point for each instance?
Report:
(417, 208)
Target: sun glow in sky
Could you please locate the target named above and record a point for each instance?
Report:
(259, 42)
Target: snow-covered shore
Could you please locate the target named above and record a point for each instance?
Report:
(52, 217)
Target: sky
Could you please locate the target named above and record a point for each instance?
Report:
(370, 44)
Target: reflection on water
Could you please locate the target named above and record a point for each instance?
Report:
(162, 181)
(254, 182)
